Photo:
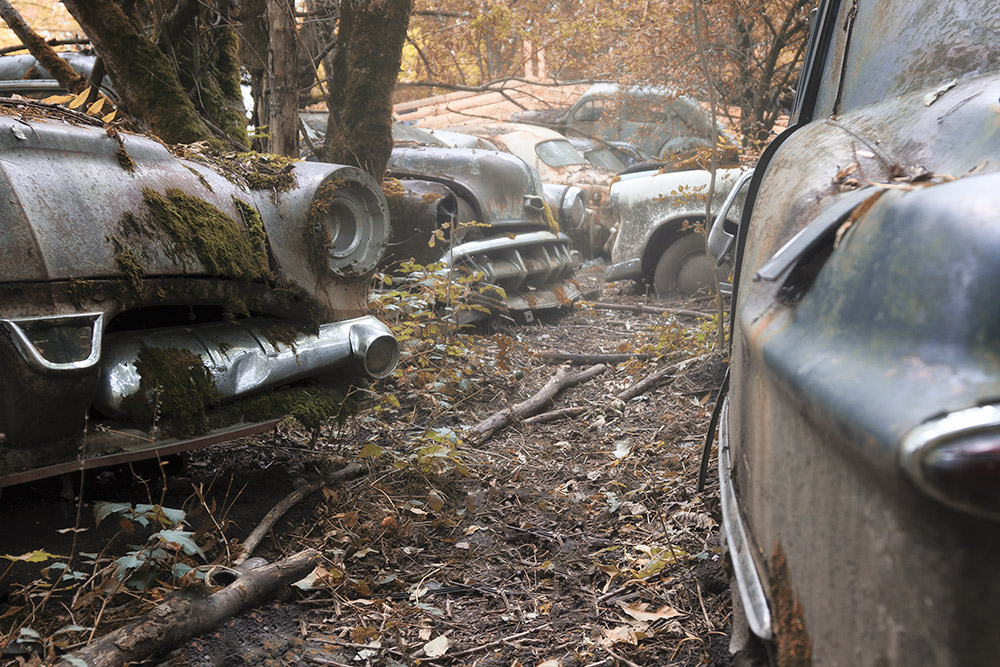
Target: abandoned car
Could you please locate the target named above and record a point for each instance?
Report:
(558, 162)
(495, 218)
(151, 304)
(658, 121)
(658, 238)
(859, 454)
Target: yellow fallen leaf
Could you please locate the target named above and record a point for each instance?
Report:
(80, 99)
(435, 500)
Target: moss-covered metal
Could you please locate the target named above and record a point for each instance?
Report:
(175, 392)
(203, 232)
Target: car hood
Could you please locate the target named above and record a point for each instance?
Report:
(500, 187)
(49, 169)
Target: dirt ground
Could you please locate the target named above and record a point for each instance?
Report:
(580, 541)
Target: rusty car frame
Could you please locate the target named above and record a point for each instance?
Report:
(859, 453)
(151, 304)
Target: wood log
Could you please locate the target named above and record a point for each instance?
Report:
(597, 358)
(533, 405)
(177, 619)
(288, 502)
(555, 414)
(650, 381)
(638, 308)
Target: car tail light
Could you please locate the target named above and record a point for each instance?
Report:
(956, 459)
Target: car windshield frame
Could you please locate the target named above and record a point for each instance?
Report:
(558, 153)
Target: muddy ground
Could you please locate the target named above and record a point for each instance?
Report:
(580, 541)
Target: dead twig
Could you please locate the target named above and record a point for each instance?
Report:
(505, 640)
(555, 414)
(598, 358)
(650, 381)
(561, 380)
(288, 502)
(638, 308)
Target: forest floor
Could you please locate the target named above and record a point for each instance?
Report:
(580, 541)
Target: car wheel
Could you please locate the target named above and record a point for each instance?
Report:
(683, 267)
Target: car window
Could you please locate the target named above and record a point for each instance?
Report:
(604, 157)
(589, 112)
(558, 153)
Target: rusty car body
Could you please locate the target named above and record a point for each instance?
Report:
(657, 120)
(497, 219)
(659, 237)
(558, 162)
(859, 454)
(150, 304)
(493, 209)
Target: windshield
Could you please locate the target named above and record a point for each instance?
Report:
(605, 157)
(559, 153)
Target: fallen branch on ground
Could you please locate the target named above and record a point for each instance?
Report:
(654, 310)
(291, 500)
(650, 381)
(533, 405)
(599, 358)
(555, 414)
(175, 620)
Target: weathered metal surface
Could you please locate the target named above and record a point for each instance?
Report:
(77, 212)
(243, 358)
(657, 209)
(854, 346)
(657, 120)
(494, 184)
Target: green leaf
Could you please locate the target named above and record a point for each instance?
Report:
(70, 628)
(28, 632)
(75, 661)
(129, 563)
(103, 510)
(182, 539)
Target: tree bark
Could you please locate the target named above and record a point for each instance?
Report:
(144, 78)
(177, 619)
(67, 77)
(366, 66)
(282, 79)
(561, 380)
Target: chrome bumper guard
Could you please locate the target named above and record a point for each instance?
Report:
(57, 343)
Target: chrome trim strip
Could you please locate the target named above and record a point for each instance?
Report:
(33, 356)
(748, 582)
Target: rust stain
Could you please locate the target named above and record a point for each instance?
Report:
(792, 645)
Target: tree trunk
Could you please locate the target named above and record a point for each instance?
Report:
(366, 65)
(283, 97)
(143, 76)
(67, 77)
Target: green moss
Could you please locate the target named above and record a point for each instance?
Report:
(311, 406)
(80, 291)
(254, 225)
(201, 178)
(202, 231)
(261, 171)
(317, 235)
(175, 392)
(130, 286)
(125, 160)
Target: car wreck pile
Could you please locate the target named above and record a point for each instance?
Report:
(152, 303)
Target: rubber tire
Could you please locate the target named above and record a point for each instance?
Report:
(683, 268)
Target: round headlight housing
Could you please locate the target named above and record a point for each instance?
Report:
(349, 223)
